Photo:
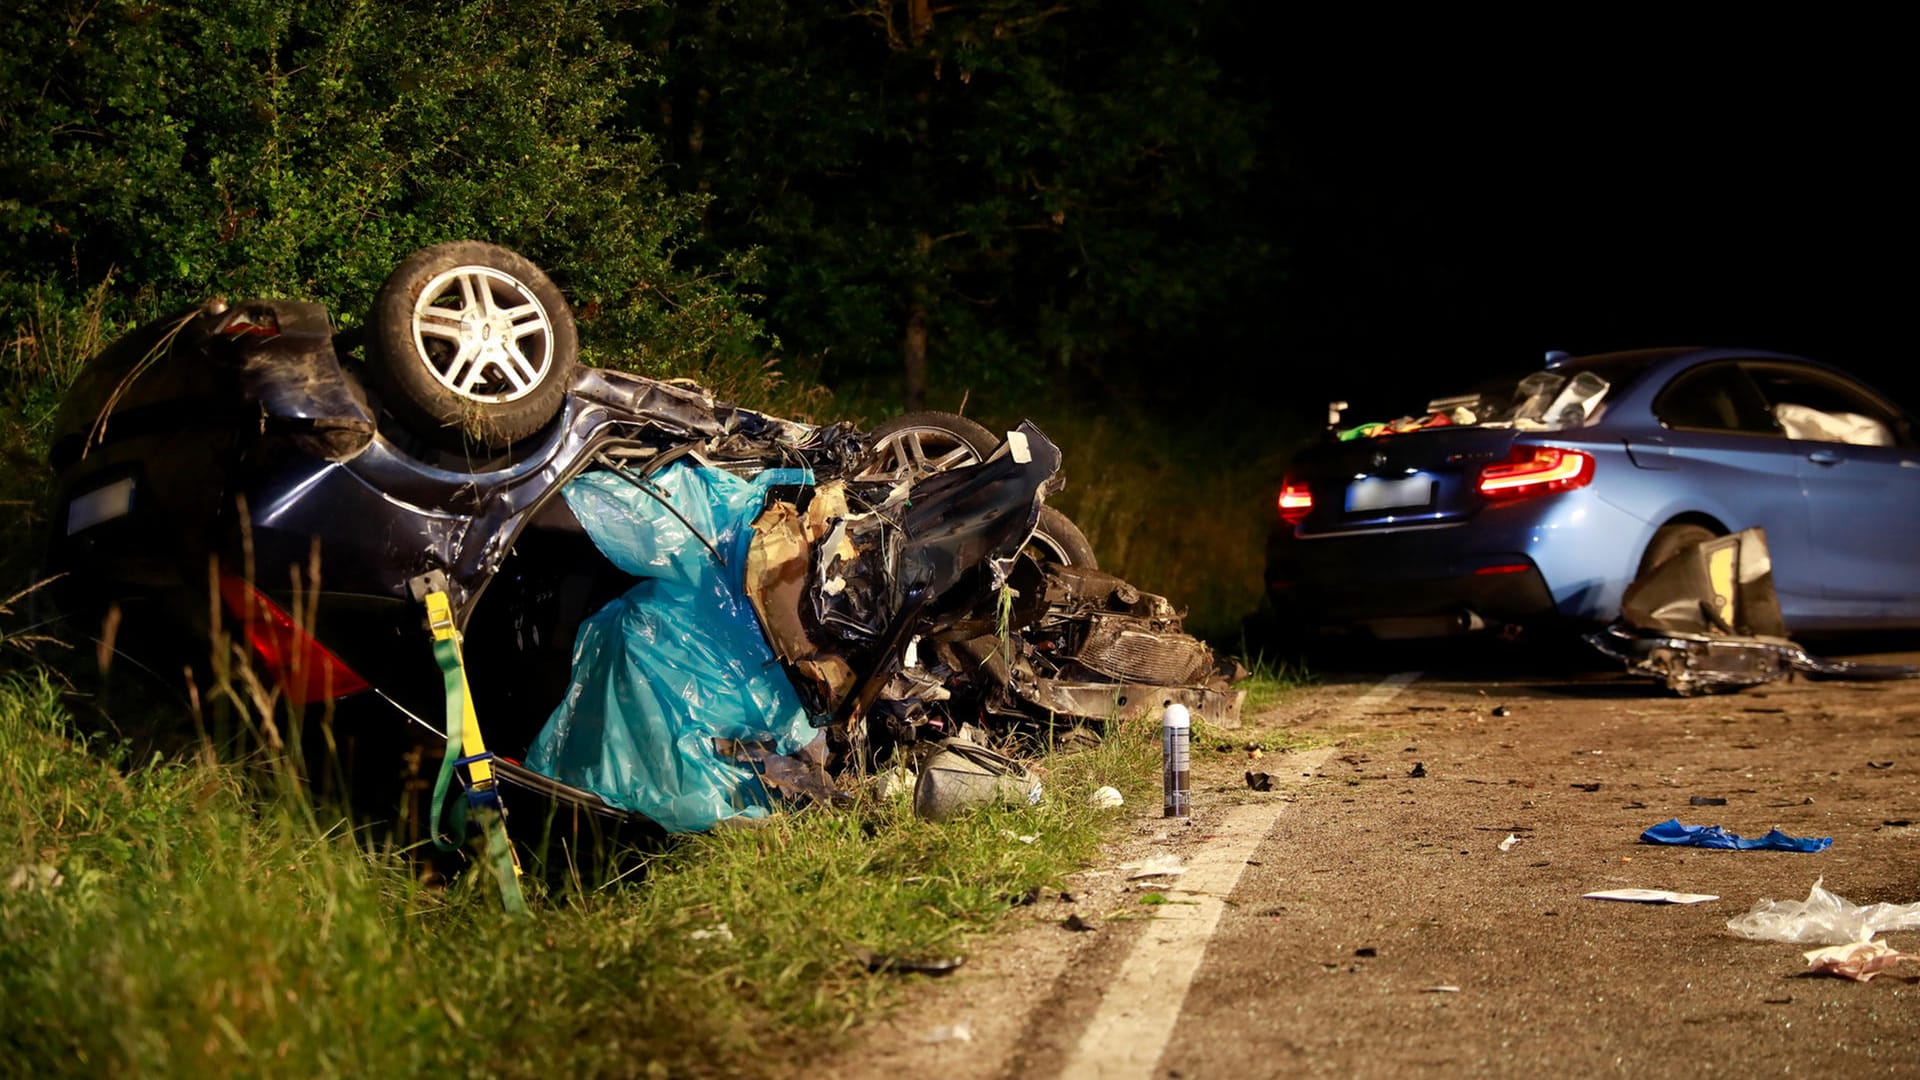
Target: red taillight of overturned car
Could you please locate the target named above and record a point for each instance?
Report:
(1535, 470)
(306, 670)
(1296, 502)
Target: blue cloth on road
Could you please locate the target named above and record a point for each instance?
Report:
(1671, 831)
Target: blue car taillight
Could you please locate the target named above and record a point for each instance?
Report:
(1535, 470)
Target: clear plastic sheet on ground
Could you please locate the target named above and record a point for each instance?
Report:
(1822, 919)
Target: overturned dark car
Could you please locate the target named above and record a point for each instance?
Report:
(662, 602)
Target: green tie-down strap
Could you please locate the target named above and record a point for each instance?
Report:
(482, 795)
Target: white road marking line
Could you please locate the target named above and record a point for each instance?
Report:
(1136, 1017)
(1386, 690)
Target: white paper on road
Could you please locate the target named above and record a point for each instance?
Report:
(1650, 896)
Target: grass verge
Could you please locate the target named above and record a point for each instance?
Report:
(162, 918)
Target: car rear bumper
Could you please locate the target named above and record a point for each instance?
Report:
(1561, 557)
(1395, 605)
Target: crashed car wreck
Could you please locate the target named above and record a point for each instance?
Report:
(667, 607)
(1706, 621)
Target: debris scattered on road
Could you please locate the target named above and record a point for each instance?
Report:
(1107, 798)
(1822, 919)
(1879, 764)
(1672, 832)
(1259, 781)
(1158, 866)
(880, 963)
(1077, 924)
(1510, 842)
(1585, 787)
(1859, 961)
(1502, 710)
(960, 1032)
(1440, 990)
(1418, 771)
(1706, 800)
(1366, 950)
(1649, 896)
(961, 776)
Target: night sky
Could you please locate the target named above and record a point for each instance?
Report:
(1464, 212)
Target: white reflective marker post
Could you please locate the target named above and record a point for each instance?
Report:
(1175, 737)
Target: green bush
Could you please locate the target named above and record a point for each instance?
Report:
(242, 147)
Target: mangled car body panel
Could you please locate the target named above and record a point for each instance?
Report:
(1707, 621)
(238, 437)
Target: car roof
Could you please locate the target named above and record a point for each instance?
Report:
(1689, 353)
(1652, 369)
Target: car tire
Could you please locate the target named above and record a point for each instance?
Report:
(471, 343)
(917, 444)
(1059, 542)
(1668, 541)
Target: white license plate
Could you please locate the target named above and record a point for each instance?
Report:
(100, 505)
(1374, 493)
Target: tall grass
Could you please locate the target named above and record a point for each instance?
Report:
(47, 348)
(166, 918)
(41, 356)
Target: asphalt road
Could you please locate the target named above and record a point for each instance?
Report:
(1373, 925)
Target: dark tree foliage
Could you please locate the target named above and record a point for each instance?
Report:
(302, 147)
(981, 191)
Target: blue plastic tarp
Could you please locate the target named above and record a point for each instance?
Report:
(1671, 831)
(679, 660)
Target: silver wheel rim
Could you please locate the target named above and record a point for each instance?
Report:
(1045, 549)
(912, 453)
(483, 334)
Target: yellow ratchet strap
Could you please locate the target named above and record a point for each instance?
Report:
(467, 747)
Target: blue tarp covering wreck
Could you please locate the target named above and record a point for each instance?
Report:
(680, 659)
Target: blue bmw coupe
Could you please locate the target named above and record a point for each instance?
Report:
(1537, 498)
